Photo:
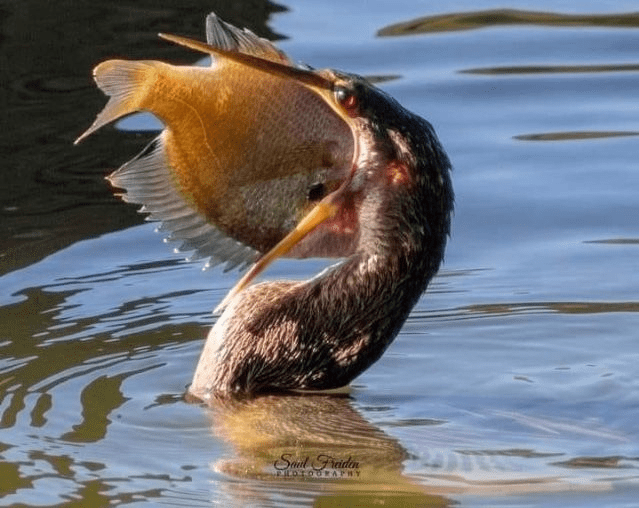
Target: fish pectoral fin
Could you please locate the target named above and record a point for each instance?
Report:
(127, 84)
(149, 181)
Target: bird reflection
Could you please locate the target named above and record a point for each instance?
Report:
(318, 441)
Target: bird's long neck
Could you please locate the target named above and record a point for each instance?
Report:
(382, 283)
(359, 306)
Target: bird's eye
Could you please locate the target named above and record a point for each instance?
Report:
(316, 192)
(347, 99)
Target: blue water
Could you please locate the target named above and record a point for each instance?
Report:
(515, 381)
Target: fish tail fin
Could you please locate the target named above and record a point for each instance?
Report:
(127, 84)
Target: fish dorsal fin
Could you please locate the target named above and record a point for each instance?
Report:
(149, 181)
(225, 36)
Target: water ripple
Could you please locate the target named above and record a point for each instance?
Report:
(474, 311)
(550, 69)
(574, 135)
(506, 17)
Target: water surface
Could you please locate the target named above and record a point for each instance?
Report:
(513, 383)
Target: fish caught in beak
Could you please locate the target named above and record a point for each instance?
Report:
(318, 215)
(323, 211)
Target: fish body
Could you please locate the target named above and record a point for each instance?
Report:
(241, 151)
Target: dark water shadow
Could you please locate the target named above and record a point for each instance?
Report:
(53, 194)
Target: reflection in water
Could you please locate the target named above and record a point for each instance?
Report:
(319, 442)
(63, 380)
(276, 442)
(319, 447)
(507, 17)
(55, 346)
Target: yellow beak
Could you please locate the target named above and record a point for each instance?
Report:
(322, 212)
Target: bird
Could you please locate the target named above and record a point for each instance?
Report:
(330, 165)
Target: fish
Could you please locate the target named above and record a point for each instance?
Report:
(250, 144)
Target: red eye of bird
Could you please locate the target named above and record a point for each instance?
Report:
(347, 100)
